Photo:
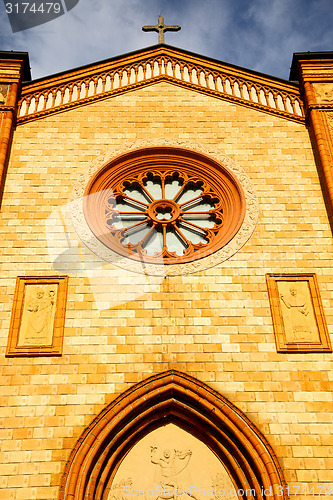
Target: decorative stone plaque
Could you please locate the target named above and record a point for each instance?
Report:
(171, 464)
(297, 312)
(38, 315)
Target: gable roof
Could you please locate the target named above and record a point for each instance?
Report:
(162, 62)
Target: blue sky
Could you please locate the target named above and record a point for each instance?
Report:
(257, 34)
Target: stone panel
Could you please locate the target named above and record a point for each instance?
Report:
(37, 321)
(297, 312)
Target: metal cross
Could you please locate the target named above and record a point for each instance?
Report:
(160, 28)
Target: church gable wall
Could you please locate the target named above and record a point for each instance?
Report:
(119, 328)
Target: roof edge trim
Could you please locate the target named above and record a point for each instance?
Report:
(161, 46)
(297, 56)
(24, 56)
(160, 63)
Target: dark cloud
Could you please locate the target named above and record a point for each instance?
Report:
(257, 34)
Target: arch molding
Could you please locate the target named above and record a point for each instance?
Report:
(172, 397)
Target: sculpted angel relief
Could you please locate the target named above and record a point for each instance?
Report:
(171, 464)
(172, 476)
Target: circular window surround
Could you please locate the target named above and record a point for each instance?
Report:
(240, 208)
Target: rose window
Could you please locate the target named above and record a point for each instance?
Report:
(164, 205)
(164, 214)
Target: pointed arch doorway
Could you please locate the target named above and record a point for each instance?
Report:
(201, 439)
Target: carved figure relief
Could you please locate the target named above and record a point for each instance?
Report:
(118, 490)
(171, 464)
(298, 316)
(324, 92)
(3, 93)
(297, 311)
(38, 315)
(171, 473)
(37, 322)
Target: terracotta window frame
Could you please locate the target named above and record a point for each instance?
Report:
(219, 188)
(86, 221)
(282, 345)
(52, 349)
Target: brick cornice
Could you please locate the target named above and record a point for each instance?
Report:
(316, 70)
(162, 63)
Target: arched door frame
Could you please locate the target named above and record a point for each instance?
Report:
(175, 397)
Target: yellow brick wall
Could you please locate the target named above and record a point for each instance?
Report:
(215, 325)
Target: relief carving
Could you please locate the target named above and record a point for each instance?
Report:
(118, 490)
(219, 486)
(297, 311)
(324, 92)
(176, 467)
(171, 471)
(3, 93)
(38, 315)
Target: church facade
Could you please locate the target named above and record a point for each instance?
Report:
(166, 279)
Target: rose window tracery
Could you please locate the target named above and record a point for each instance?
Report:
(164, 214)
(164, 205)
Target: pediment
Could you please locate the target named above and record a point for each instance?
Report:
(127, 73)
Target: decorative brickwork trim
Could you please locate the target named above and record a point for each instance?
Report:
(178, 398)
(128, 73)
